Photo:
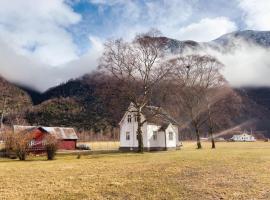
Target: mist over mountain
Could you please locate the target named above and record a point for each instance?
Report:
(261, 38)
(245, 55)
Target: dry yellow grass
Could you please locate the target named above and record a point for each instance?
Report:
(232, 171)
(104, 145)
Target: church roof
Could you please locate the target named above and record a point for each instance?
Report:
(58, 132)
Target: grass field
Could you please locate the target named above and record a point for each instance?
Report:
(232, 171)
(106, 145)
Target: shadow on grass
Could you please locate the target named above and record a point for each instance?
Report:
(81, 155)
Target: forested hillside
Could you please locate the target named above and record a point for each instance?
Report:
(93, 102)
(13, 102)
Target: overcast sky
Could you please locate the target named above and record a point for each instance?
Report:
(46, 42)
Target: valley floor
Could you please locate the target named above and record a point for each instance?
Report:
(232, 171)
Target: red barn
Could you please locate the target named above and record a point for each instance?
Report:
(67, 137)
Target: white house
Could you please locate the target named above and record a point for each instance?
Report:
(243, 138)
(160, 131)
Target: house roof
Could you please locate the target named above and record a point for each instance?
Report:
(158, 116)
(58, 132)
(154, 115)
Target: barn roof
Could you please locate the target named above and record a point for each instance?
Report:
(58, 132)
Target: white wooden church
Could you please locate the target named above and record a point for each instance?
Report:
(160, 131)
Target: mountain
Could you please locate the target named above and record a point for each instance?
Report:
(13, 101)
(261, 38)
(88, 103)
(85, 103)
(225, 43)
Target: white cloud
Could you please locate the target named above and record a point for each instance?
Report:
(39, 29)
(207, 29)
(256, 13)
(132, 17)
(37, 50)
(30, 72)
(246, 64)
(167, 16)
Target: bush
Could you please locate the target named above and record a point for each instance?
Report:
(51, 145)
(21, 144)
(18, 144)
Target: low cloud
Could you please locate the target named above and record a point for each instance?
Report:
(38, 50)
(256, 13)
(246, 64)
(206, 29)
(38, 30)
(32, 73)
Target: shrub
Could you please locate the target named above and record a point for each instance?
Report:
(21, 144)
(8, 139)
(17, 143)
(51, 144)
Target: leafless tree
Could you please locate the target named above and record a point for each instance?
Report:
(139, 66)
(222, 105)
(18, 142)
(2, 114)
(51, 144)
(194, 75)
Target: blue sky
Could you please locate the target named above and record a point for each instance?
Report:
(174, 18)
(59, 31)
(63, 39)
(106, 19)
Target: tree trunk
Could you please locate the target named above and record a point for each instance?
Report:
(199, 145)
(211, 125)
(2, 114)
(21, 155)
(213, 144)
(165, 139)
(139, 133)
(212, 138)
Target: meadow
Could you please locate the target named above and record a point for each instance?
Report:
(232, 171)
(102, 145)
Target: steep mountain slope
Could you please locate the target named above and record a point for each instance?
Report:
(225, 43)
(88, 103)
(261, 38)
(13, 100)
(85, 103)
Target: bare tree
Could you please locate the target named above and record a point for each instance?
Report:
(194, 75)
(18, 142)
(222, 105)
(51, 144)
(2, 114)
(8, 138)
(139, 66)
